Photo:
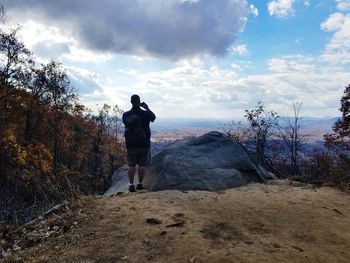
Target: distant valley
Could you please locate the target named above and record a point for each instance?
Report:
(170, 129)
(165, 131)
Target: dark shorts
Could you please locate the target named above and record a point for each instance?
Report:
(140, 156)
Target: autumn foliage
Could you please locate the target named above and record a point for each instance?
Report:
(340, 138)
(51, 147)
(339, 144)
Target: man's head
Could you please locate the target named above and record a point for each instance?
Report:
(135, 100)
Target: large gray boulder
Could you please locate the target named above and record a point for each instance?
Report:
(210, 162)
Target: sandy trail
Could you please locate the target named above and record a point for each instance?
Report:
(276, 222)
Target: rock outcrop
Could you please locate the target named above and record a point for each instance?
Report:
(210, 162)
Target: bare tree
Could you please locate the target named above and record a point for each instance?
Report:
(290, 133)
(117, 121)
(2, 15)
(237, 131)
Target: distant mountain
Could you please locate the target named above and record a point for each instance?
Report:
(180, 124)
(179, 128)
(317, 127)
(307, 123)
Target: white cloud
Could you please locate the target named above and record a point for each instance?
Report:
(79, 54)
(343, 5)
(337, 50)
(254, 10)
(188, 88)
(236, 67)
(50, 42)
(85, 81)
(334, 22)
(50, 50)
(291, 64)
(281, 8)
(33, 33)
(241, 50)
(196, 90)
(94, 100)
(130, 72)
(300, 78)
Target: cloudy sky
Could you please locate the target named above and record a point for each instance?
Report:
(195, 58)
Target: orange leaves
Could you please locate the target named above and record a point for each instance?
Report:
(10, 150)
(39, 159)
(25, 161)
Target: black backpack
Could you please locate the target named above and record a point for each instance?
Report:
(134, 132)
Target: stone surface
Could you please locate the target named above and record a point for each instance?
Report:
(210, 162)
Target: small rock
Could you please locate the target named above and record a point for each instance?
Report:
(275, 245)
(66, 228)
(337, 211)
(298, 248)
(154, 221)
(16, 247)
(163, 233)
(17, 260)
(179, 224)
(179, 219)
(34, 236)
(124, 258)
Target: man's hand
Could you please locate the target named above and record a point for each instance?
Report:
(144, 105)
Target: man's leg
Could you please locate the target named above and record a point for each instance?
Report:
(132, 160)
(142, 173)
(131, 174)
(143, 162)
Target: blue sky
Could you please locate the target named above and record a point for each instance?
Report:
(196, 58)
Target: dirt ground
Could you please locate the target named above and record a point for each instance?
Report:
(276, 222)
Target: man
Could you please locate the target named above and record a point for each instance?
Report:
(137, 139)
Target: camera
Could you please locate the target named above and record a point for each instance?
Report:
(143, 104)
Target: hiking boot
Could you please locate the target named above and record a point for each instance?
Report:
(132, 188)
(140, 187)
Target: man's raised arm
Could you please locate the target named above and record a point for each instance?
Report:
(152, 116)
